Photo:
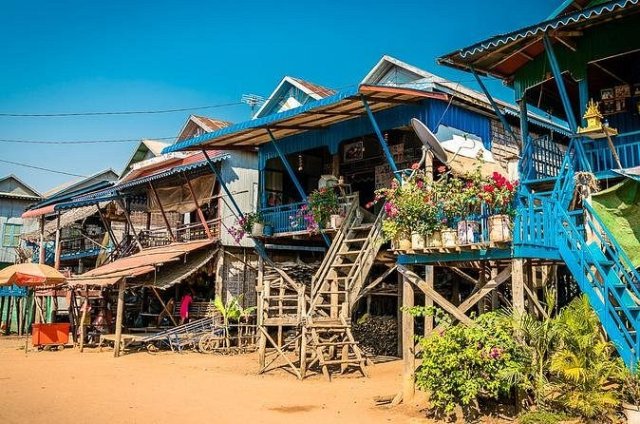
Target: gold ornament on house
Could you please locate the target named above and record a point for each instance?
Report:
(595, 127)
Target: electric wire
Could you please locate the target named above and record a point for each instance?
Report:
(42, 168)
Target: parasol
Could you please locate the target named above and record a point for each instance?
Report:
(30, 275)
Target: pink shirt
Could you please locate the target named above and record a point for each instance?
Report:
(184, 305)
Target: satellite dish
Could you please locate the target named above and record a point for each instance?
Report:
(429, 140)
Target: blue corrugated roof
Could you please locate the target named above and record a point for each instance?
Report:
(264, 121)
(543, 27)
(114, 192)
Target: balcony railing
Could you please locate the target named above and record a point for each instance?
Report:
(601, 158)
(183, 233)
(283, 218)
(541, 159)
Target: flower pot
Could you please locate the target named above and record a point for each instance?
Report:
(499, 228)
(449, 238)
(267, 230)
(434, 239)
(257, 229)
(404, 243)
(632, 412)
(336, 221)
(417, 241)
(468, 232)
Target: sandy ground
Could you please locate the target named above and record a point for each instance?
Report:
(93, 387)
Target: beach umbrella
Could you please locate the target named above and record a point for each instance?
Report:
(30, 275)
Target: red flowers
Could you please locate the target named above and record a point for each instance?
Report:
(415, 166)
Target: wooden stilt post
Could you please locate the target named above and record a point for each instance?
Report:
(119, 314)
(495, 301)
(408, 356)
(399, 314)
(428, 302)
(85, 309)
(42, 253)
(517, 284)
(58, 248)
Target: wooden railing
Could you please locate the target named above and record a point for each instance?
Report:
(191, 232)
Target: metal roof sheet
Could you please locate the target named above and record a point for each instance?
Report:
(341, 106)
(153, 173)
(527, 39)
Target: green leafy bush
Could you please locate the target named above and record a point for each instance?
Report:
(542, 417)
(466, 362)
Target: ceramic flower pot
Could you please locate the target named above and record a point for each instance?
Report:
(468, 232)
(449, 238)
(499, 228)
(417, 241)
(336, 221)
(434, 239)
(632, 412)
(258, 229)
(404, 243)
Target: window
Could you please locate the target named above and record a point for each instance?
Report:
(11, 235)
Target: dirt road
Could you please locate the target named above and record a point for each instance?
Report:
(92, 387)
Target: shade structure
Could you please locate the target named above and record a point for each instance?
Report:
(29, 275)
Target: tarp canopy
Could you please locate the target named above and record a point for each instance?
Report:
(619, 209)
(176, 272)
(67, 218)
(178, 198)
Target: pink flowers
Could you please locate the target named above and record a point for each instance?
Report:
(415, 166)
(390, 210)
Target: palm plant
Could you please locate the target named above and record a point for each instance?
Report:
(582, 366)
(231, 311)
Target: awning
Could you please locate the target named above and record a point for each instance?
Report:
(66, 219)
(143, 176)
(504, 54)
(35, 213)
(143, 262)
(314, 115)
(177, 272)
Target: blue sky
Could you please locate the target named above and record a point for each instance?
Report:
(79, 56)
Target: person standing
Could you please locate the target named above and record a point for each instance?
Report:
(185, 303)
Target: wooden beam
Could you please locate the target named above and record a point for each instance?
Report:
(203, 220)
(130, 224)
(164, 305)
(437, 297)
(464, 275)
(373, 284)
(428, 302)
(520, 51)
(162, 212)
(42, 252)
(119, 315)
(517, 285)
(58, 251)
(408, 354)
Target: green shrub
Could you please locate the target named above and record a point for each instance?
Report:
(542, 417)
(466, 362)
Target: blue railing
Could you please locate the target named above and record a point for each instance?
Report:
(283, 218)
(601, 158)
(541, 159)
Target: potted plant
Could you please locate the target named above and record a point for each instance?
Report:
(498, 194)
(250, 223)
(323, 203)
(631, 396)
(267, 230)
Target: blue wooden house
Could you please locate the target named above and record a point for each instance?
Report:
(356, 139)
(581, 64)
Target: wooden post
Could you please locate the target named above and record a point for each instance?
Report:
(41, 256)
(203, 220)
(56, 261)
(85, 309)
(495, 301)
(400, 314)
(428, 302)
(517, 284)
(164, 215)
(119, 314)
(408, 357)
(130, 224)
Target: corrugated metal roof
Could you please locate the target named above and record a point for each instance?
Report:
(139, 264)
(339, 107)
(167, 169)
(509, 44)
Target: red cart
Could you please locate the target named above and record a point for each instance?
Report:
(52, 335)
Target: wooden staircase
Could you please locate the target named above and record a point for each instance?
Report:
(327, 337)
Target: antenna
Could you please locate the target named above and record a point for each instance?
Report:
(253, 100)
